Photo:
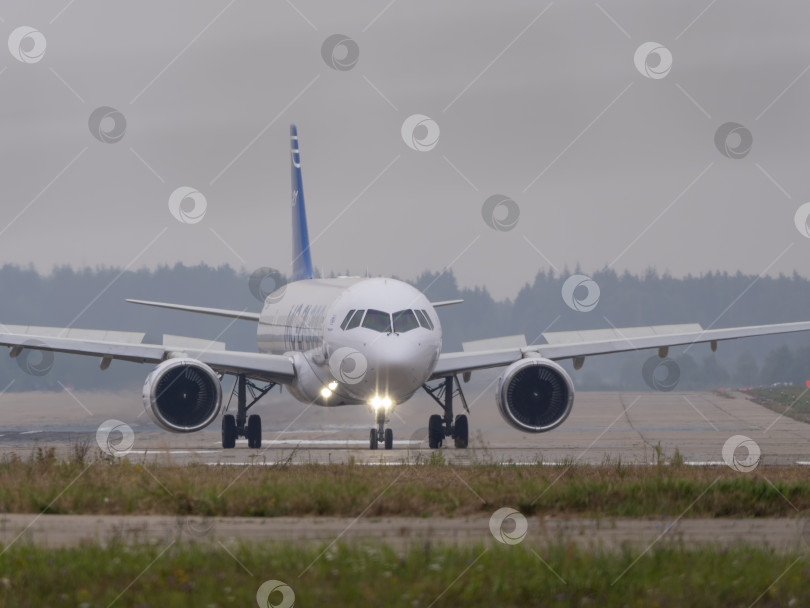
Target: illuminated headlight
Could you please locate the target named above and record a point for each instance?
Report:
(378, 402)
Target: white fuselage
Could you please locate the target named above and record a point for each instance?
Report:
(354, 340)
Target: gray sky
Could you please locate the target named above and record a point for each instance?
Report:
(540, 102)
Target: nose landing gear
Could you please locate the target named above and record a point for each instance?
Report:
(381, 434)
(440, 427)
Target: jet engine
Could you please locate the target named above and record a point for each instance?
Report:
(535, 395)
(182, 395)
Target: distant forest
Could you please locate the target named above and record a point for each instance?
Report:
(94, 299)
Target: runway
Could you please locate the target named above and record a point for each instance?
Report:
(603, 427)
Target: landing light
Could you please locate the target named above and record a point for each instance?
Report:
(378, 402)
(326, 393)
(332, 385)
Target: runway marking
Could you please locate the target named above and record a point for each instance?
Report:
(705, 463)
(148, 452)
(336, 442)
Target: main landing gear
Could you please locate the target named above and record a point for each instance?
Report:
(381, 434)
(440, 427)
(243, 425)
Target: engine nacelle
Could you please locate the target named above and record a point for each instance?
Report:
(182, 395)
(535, 395)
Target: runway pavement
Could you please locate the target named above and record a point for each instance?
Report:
(604, 426)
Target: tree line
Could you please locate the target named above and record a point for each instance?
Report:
(94, 299)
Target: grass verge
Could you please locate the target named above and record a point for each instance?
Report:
(351, 575)
(43, 484)
(792, 401)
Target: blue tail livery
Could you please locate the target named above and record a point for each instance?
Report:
(302, 262)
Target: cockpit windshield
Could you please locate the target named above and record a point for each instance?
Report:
(401, 321)
(378, 321)
(404, 320)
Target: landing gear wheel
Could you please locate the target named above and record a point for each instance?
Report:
(228, 431)
(389, 439)
(461, 432)
(254, 431)
(435, 431)
(372, 439)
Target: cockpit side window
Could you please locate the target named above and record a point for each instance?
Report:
(348, 317)
(355, 322)
(378, 321)
(424, 319)
(404, 320)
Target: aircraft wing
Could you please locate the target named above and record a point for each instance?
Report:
(243, 315)
(276, 368)
(566, 346)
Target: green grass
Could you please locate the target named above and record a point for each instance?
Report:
(793, 401)
(365, 575)
(42, 483)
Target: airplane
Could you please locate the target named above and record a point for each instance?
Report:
(355, 340)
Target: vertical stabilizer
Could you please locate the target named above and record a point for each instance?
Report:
(302, 262)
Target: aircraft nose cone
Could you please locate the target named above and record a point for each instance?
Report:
(397, 366)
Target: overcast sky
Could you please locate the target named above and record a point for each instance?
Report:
(543, 103)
